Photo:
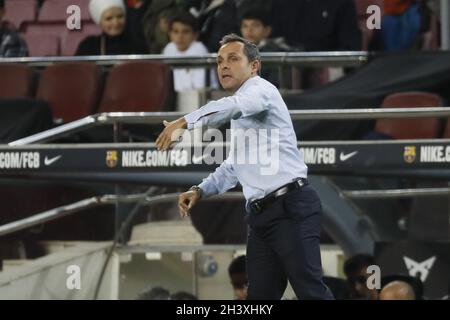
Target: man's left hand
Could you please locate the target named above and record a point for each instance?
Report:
(171, 133)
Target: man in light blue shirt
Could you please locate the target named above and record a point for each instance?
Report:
(283, 211)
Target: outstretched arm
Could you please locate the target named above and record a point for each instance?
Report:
(215, 113)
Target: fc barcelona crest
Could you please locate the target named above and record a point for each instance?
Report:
(111, 158)
(409, 154)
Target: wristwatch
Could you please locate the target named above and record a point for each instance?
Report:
(198, 189)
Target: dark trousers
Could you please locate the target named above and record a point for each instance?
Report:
(284, 244)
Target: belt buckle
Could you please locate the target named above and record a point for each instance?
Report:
(300, 183)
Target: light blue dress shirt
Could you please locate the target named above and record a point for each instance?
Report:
(256, 107)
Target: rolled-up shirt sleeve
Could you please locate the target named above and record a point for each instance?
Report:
(250, 101)
(221, 180)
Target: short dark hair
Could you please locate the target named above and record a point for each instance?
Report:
(185, 18)
(357, 263)
(238, 272)
(183, 295)
(154, 293)
(238, 265)
(250, 49)
(2, 4)
(260, 15)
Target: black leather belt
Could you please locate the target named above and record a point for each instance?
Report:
(258, 205)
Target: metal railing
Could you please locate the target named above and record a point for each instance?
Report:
(117, 118)
(395, 193)
(157, 117)
(60, 212)
(328, 58)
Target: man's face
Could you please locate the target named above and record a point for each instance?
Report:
(113, 21)
(233, 67)
(359, 288)
(182, 35)
(254, 30)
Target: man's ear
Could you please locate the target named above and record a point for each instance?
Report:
(256, 66)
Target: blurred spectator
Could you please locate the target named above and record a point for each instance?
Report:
(217, 18)
(155, 23)
(154, 293)
(319, 25)
(400, 25)
(133, 28)
(338, 286)
(251, 5)
(237, 271)
(415, 284)
(447, 296)
(355, 269)
(11, 44)
(183, 32)
(255, 27)
(183, 295)
(110, 16)
(397, 290)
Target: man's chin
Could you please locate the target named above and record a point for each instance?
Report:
(227, 86)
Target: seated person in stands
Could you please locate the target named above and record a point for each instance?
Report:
(183, 32)
(110, 16)
(355, 269)
(256, 28)
(11, 44)
(237, 271)
(397, 290)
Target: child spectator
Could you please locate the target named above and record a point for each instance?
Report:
(255, 27)
(183, 32)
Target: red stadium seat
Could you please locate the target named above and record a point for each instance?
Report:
(19, 11)
(71, 89)
(71, 38)
(136, 86)
(56, 10)
(15, 81)
(42, 45)
(446, 134)
(55, 29)
(413, 128)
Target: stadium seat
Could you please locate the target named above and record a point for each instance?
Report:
(15, 80)
(446, 134)
(56, 10)
(54, 29)
(71, 89)
(42, 45)
(19, 11)
(72, 38)
(413, 128)
(136, 86)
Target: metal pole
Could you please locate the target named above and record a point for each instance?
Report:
(445, 24)
(396, 193)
